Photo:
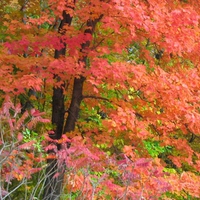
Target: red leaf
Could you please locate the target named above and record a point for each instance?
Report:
(28, 145)
(20, 137)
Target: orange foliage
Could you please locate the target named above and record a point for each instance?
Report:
(154, 96)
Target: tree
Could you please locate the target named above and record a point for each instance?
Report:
(119, 81)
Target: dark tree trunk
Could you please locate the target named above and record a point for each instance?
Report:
(73, 110)
(77, 93)
(53, 185)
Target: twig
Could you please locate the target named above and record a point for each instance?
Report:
(95, 97)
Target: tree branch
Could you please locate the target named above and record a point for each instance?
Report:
(95, 97)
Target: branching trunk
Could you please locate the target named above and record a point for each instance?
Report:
(75, 104)
(77, 94)
(53, 185)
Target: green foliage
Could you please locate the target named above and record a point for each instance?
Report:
(154, 148)
(119, 143)
(182, 196)
(90, 115)
(71, 195)
(30, 135)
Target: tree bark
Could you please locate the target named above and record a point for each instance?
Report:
(74, 108)
(77, 94)
(53, 185)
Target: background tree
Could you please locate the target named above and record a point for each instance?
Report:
(119, 81)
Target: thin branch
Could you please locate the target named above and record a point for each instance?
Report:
(98, 44)
(95, 97)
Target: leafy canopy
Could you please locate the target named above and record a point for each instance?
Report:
(137, 133)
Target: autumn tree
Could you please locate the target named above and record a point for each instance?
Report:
(119, 80)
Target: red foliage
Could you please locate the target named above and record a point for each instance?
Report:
(153, 96)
